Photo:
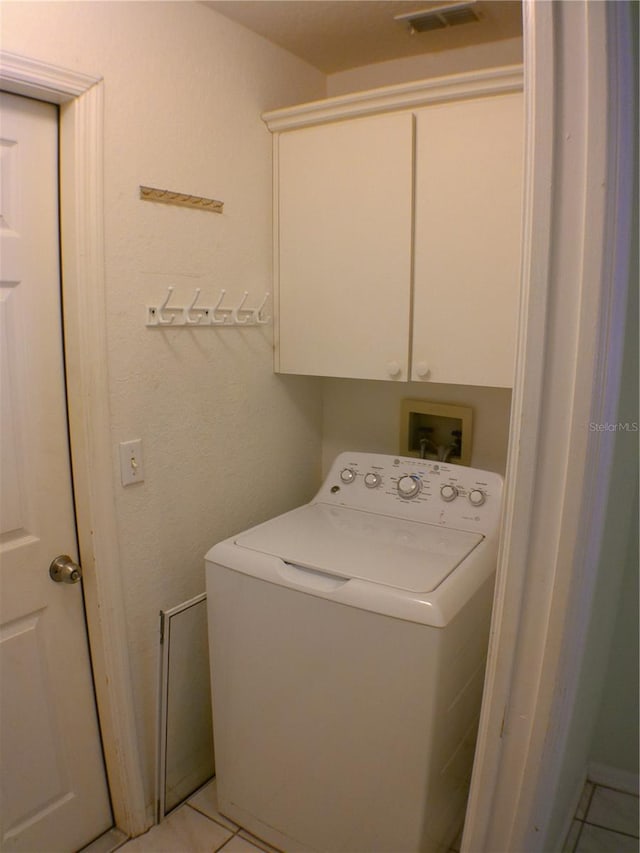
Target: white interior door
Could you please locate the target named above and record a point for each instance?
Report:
(53, 784)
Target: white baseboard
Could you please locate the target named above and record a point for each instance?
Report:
(107, 843)
(612, 777)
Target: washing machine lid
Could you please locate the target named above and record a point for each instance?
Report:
(351, 543)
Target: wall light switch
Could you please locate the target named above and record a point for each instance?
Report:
(131, 462)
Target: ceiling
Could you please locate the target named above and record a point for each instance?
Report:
(334, 35)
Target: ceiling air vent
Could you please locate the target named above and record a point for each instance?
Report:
(439, 17)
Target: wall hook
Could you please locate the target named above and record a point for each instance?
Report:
(257, 316)
(226, 312)
(161, 318)
(196, 314)
(246, 313)
(192, 315)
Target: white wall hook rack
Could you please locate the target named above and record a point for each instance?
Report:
(195, 314)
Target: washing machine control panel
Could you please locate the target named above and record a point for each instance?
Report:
(409, 486)
(348, 475)
(422, 490)
(372, 480)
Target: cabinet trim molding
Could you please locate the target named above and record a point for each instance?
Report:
(488, 81)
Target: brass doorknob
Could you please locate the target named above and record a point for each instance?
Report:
(64, 570)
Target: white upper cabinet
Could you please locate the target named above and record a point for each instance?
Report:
(345, 215)
(467, 240)
(397, 231)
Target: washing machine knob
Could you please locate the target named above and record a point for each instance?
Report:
(448, 493)
(409, 486)
(477, 497)
(347, 475)
(372, 480)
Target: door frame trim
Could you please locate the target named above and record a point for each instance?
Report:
(576, 252)
(80, 98)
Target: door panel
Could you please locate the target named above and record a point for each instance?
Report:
(54, 790)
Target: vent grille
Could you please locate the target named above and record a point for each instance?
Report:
(427, 23)
(466, 15)
(428, 20)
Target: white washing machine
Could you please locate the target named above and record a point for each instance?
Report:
(348, 641)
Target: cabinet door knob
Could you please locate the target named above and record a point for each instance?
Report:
(394, 368)
(422, 369)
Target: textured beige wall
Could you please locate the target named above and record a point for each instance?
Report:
(226, 443)
(615, 739)
(426, 65)
(365, 415)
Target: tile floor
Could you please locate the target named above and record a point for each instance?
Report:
(197, 827)
(606, 821)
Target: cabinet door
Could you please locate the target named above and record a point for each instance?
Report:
(344, 211)
(467, 240)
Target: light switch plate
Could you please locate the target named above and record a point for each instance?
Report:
(131, 462)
